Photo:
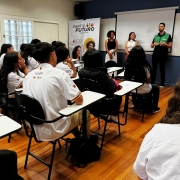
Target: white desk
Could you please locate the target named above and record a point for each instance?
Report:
(112, 69)
(18, 90)
(121, 74)
(8, 126)
(127, 86)
(77, 65)
(89, 97)
(77, 77)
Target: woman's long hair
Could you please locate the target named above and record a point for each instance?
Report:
(28, 51)
(137, 57)
(8, 65)
(74, 52)
(4, 48)
(173, 110)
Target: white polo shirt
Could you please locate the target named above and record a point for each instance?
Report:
(65, 68)
(14, 79)
(32, 63)
(52, 87)
(159, 155)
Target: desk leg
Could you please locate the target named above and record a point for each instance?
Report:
(126, 107)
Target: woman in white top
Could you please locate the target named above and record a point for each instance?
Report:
(130, 43)
(31, 63)
(137, 59)
(64, 62)
(10, 74)
(159, 154)
(4, 49)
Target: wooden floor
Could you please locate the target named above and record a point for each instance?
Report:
(118, 154)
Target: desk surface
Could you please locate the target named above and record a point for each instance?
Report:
(89, 97)
(112, 69)
(8, 126)
(121, 74)
(127, 86)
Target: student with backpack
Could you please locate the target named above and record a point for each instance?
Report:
(138, 69)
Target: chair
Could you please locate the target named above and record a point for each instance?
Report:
(5, 102)
(136, 75)
(109, 64)
(88, 84)
(34, 115)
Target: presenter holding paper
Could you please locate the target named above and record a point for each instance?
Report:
(161, 42)
(111, 46)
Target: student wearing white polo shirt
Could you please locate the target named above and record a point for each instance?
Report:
(64, 62)
(10, 74)
(4, 49)
(52, 87)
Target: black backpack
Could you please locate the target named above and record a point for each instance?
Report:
(83, 151)
(135, 72)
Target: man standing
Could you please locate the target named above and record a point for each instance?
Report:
(161, 42)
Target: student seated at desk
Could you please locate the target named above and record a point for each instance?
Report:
(10, 74)
(93, 69)
(52, 87)
(159, 155)
(137, 60)
(64, 62)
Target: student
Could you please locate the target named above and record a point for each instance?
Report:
(159, 155)
(64, 62)
(4, 49)
(10, 72)
(130, 43)
(137, 58)
(90, 44)
(35, 41)
(31, 63)
(58, 44)
(76, 53)
(52, 87)
(93, 69)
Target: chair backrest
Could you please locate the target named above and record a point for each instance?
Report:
(111, 63)
(134, 73)
(32, 109)
(89, 84)
(3, 94)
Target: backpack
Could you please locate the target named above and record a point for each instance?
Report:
(83, 151)
(135, 72)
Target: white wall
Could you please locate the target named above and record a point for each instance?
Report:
(55, 10)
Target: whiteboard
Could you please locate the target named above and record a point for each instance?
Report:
(145, 25)
(105, 26)
(176, 37)
(46, 32)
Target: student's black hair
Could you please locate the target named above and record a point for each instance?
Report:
(35, 41)
(8, 65)
(58, 44)
(90, 42)
(61, 53)
(92, 58)
(28, 51)
(74, 56)
(42, 52)
(4, 48)
(130, 35)
(109, 33)
(22, 47)
(162, 24)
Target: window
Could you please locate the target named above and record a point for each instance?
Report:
(17, 32)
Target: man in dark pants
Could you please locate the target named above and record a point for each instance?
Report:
(161, 42)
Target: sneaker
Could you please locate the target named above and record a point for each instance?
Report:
(156, 110)
(161, 86)
(113, 118)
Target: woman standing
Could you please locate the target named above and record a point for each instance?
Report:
(111, 46)
(130, 43)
